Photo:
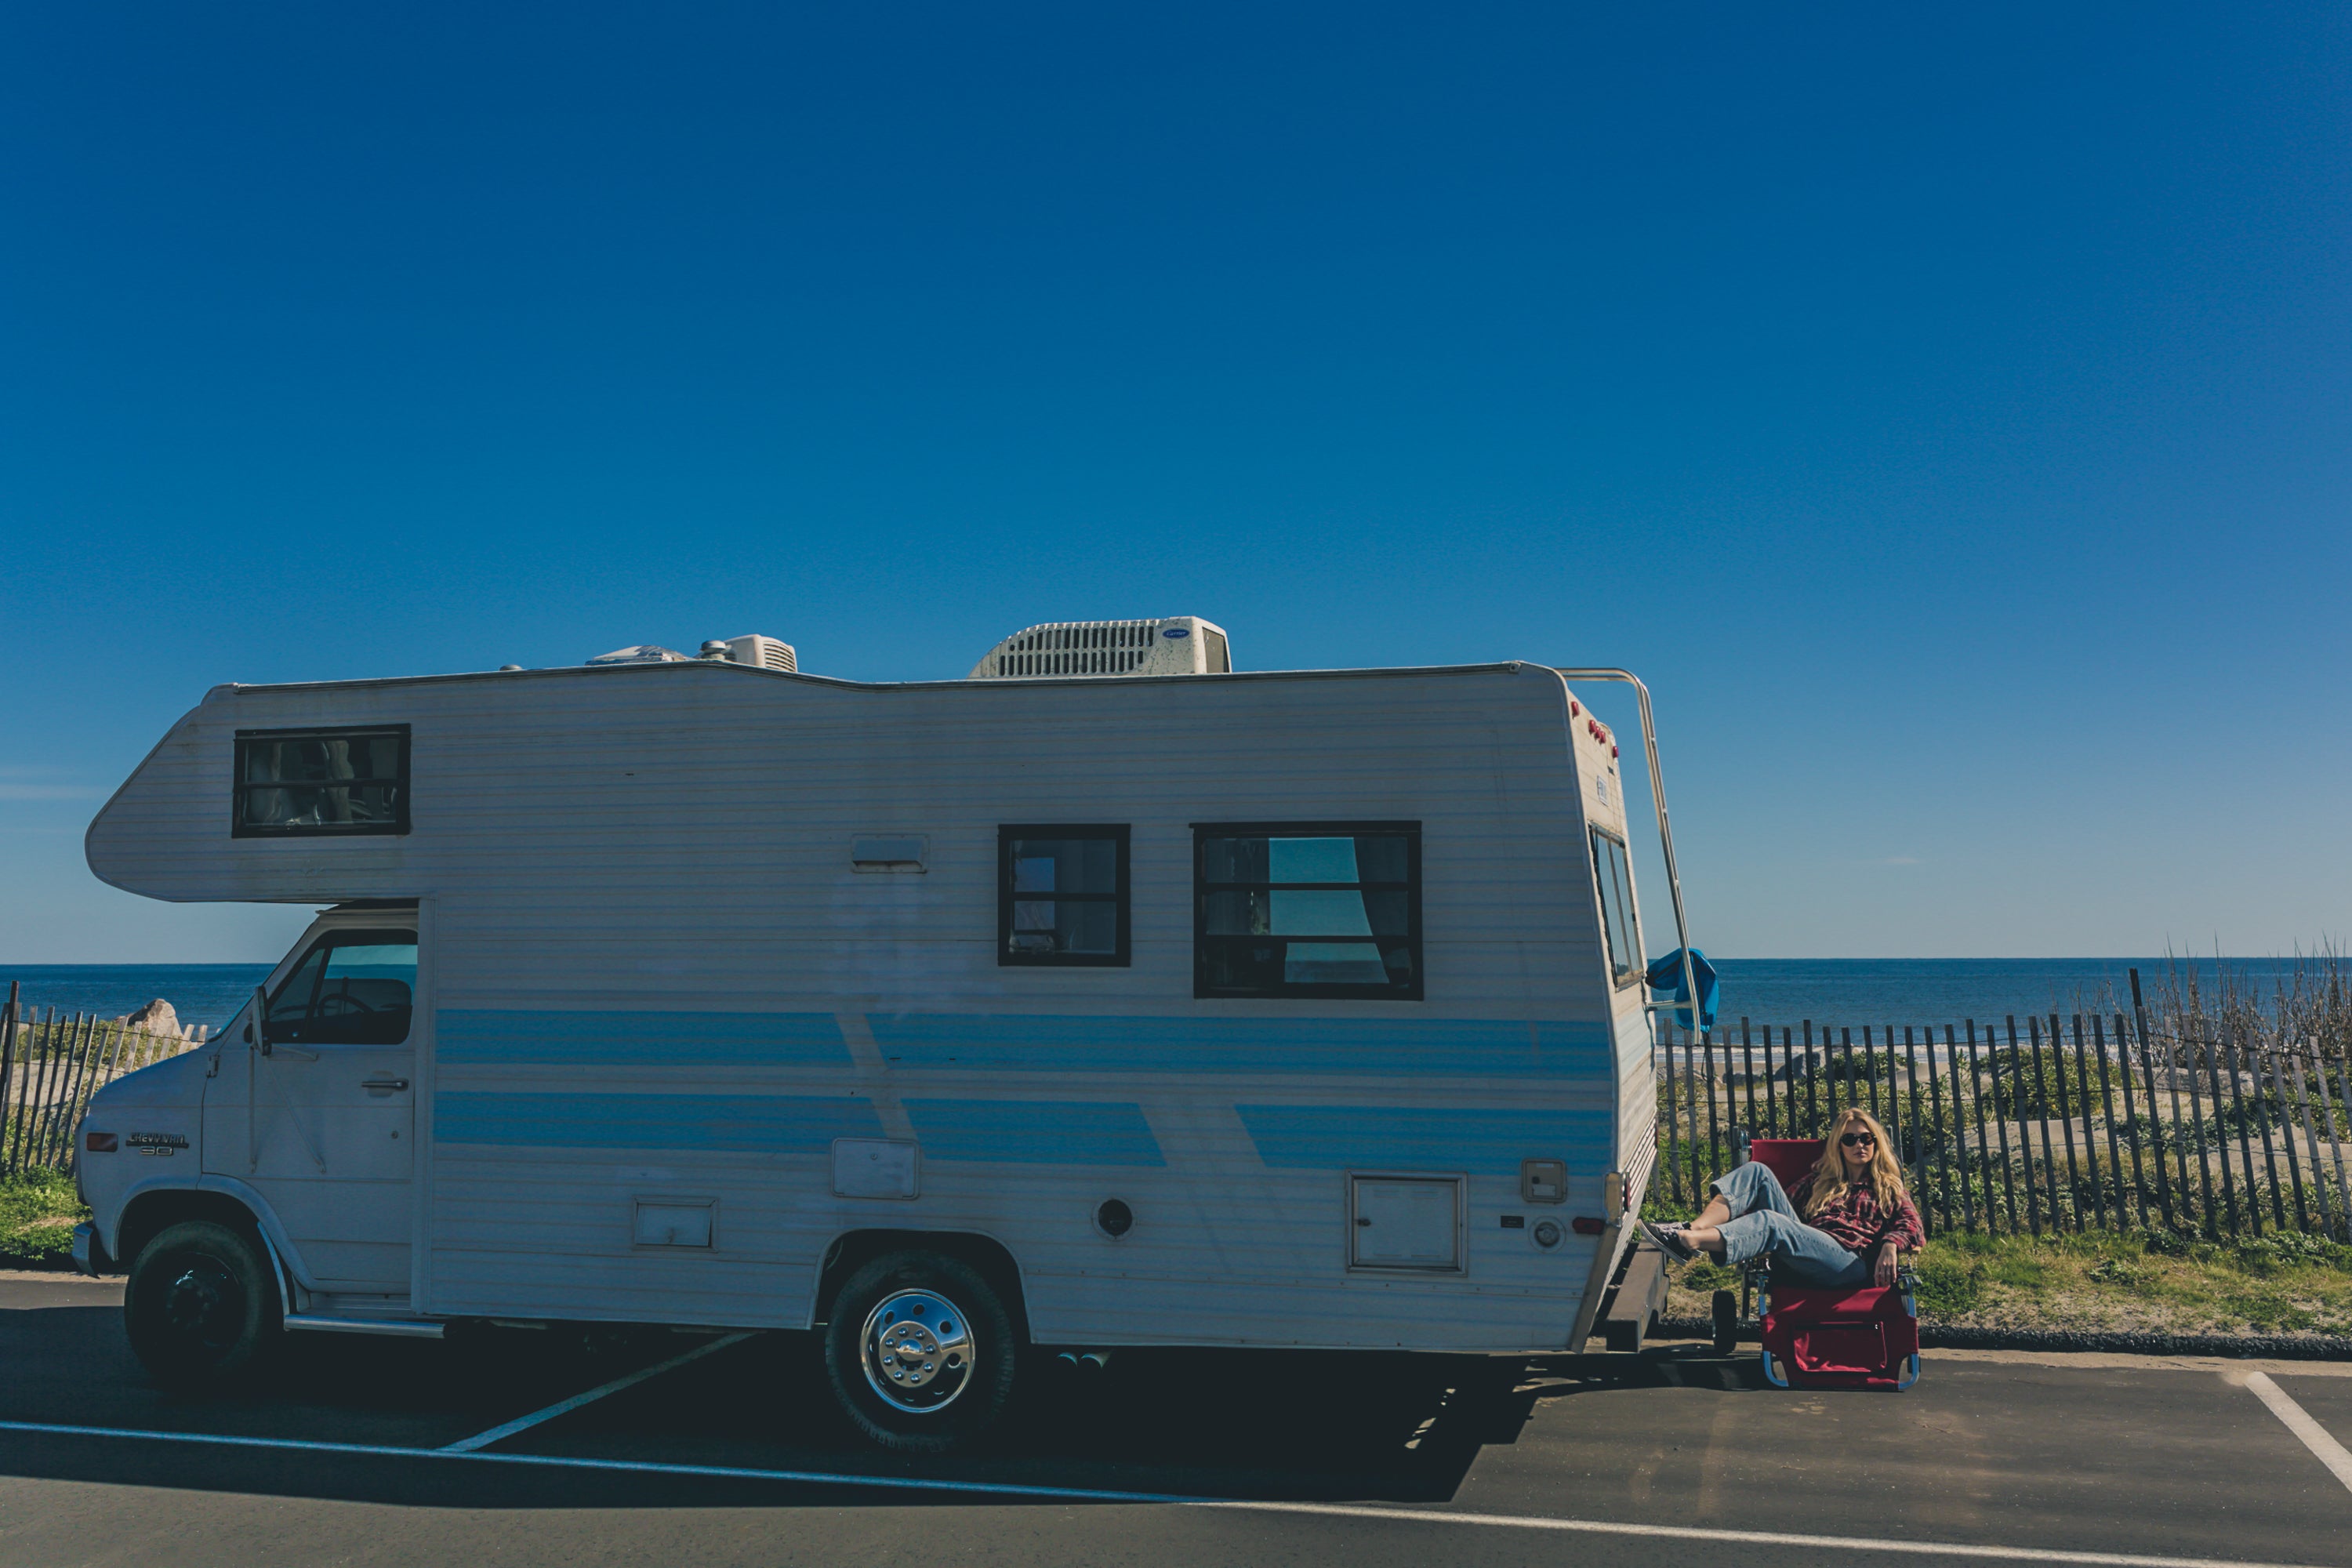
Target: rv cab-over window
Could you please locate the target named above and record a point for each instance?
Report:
(329, 782)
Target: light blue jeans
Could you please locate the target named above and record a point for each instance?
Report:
(1765, 1222)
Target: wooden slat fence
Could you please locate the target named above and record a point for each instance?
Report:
(2046, 1124)
(51, 1062)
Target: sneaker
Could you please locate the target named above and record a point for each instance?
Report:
(1668, 1239)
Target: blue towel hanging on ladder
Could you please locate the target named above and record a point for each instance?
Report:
(1666, 974)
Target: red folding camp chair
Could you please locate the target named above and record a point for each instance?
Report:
(1865, 1337)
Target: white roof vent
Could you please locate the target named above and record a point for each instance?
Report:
(646, 653)
(761, 653)
(1175, 644)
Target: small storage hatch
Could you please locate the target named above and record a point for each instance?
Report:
(675, 1222)
(1405, 1221)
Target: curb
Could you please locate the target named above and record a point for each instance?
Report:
(2263, 1347)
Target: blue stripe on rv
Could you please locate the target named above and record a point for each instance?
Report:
(487, 1037)
(725, 1123)
(1335, 1137)
(1374, 1047)
(1033, 1132)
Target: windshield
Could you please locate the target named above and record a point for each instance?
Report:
(352, 988)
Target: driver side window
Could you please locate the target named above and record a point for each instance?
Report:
(352, 988)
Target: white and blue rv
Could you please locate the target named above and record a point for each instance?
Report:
(1105, 997)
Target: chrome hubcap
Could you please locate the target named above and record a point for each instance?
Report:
(919, 1351)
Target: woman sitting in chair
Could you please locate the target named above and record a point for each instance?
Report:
(1842, 1226)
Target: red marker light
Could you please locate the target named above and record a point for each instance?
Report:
(99, 1142)
(1585, 1225)
(1612, 751)
(1573, 709)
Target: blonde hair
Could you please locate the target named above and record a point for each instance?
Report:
(1827, 1185)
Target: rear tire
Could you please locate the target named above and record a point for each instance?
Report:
(920, 1352)
(200, 1307)
(1727, 1322)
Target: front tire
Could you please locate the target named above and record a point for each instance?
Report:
(920, 1352)
(1725, 1324)
(200, 1307)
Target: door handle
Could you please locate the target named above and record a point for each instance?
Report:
(384, 1085)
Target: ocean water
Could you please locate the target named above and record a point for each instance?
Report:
(199, 993)
(1852, 991)
(1849, 991)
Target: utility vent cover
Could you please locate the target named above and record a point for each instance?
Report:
(643, 653)
(1175, 644)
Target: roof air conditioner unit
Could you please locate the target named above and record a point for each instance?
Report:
(763, 653)
(1175, 644)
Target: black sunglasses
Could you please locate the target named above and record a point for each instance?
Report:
(1851, 1138)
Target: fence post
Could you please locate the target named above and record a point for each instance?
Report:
(2065, 1124)
(2310, 1142)
(2089, 1132)
(1813, 1104)
(1771, 1096)
(2287, 1120)
(1702, 1038)
(2017, 1107)
(2270, 1154)
(2116, 1146)
(1747, 1079)
(1665, 1034)
(2139, 1131)
(2000, 1124)
(7, 1064)
(12, 1135)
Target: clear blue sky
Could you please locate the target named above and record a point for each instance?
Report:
(1947, 412)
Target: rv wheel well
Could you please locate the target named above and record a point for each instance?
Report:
(853, 1250)
(150, 1212)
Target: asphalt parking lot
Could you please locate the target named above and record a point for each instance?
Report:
(735, 1456)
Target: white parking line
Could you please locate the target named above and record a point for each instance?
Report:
(564, 1406)
(2315, 1437)
(1228, 1505)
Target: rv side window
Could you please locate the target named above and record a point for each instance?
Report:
(352, 988)
(332, 783)
(1616, 882)
(1308, 909)
(1061, 895)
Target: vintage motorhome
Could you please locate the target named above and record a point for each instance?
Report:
(1104, 997)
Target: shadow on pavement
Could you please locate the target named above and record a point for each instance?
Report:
(1241, 1424)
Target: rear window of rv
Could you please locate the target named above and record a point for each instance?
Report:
(293, 783)
(1308, 909)
(1061, 895)
(1616, 879)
